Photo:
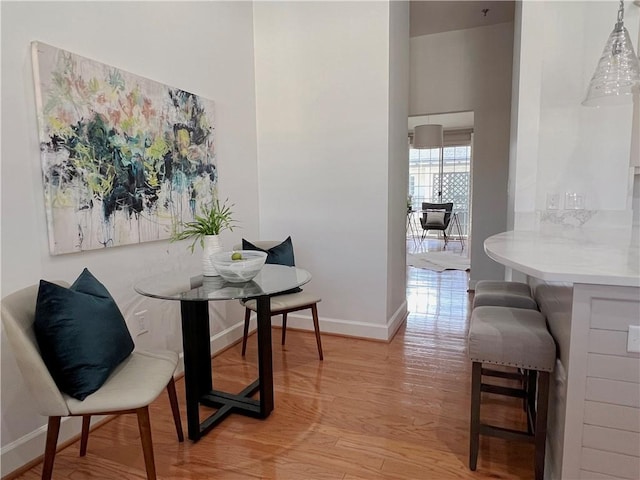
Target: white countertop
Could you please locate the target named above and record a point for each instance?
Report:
(601, 257)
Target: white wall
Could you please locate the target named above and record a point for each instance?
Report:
(330, 116)
(323, 100)
(561, 146)
(470, 70)
(398, 154)
(202, 47)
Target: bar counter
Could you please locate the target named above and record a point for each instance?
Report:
(601, 257)
(587, 283)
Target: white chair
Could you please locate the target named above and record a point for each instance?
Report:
(135, 383)
(282, 305)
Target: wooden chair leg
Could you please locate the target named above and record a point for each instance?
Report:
(316, 327)
(84, 436)
(284, 327)
(247, 316)
(145, 437)
(474, 432)
(53, 428)
(542, 406)
(173, 400)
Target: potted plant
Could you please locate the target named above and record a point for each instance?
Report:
(205, 229)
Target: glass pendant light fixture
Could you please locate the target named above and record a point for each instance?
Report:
(618, 70)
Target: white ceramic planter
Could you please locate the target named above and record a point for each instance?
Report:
(212, 245)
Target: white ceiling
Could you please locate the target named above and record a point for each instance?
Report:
(427, 17)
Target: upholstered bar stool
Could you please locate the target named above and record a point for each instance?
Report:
(513, 337)
(503, 294)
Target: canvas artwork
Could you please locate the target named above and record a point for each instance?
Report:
(124, 159)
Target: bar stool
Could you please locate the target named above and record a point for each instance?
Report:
(514, 337)
(503, 294)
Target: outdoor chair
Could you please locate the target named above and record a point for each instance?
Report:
(436, 216)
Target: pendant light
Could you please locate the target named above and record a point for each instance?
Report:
(618, 70)
(431, 136)
(427, 136)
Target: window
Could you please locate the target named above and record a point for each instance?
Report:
(427, 176)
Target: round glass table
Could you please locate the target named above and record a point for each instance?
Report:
(194, 294)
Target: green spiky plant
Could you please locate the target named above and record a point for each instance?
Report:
(216, 217)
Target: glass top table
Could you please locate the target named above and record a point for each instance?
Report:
(194, 294)
(181, 286)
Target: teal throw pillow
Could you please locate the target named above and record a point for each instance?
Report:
(281, 254)
(81, 333)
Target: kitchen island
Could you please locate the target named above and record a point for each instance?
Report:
(587, 283)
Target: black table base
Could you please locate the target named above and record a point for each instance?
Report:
(198, 370)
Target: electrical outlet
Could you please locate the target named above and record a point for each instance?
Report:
(633, 339)
(142, 322)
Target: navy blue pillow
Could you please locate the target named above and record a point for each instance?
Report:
(281, 254)
(81, 334)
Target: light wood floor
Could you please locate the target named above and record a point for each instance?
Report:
(371, 410)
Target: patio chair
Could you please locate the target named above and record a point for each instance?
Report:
(436, 216)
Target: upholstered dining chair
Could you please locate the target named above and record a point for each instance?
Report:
(282, 304)
(132, 386)
(436, 216)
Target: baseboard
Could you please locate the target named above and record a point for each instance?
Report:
(346, 328)
(396, 321)
(28, 448)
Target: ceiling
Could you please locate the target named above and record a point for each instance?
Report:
(429, 17)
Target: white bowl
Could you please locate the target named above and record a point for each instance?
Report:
(238, 271)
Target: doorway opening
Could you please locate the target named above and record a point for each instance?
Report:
(437, 176)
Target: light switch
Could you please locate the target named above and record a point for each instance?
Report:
(633, 339)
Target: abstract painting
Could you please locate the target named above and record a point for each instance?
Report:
(124, 159)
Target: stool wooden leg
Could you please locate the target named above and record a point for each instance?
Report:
(542, 406)
(247, 315)
(524, 385)
(531, 376)
(474, 433)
